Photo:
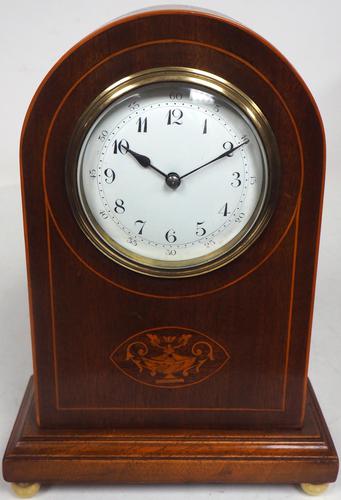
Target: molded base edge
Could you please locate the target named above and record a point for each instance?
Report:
(305, 455)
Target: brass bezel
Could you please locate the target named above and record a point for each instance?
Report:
(212, 260)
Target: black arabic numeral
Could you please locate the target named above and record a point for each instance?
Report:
(175, 117)
(109, 175)
(143, 222)
(236, 180)
(205, 127)
(142, 125)
(119, 206)
(223, 211)
(170, 236)
(200, 231)
(121, 146)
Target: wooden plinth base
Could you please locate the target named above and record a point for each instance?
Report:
(155, 456)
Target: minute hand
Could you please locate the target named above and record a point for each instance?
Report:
(227, 153)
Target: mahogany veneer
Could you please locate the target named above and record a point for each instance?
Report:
(248, 416)
(170, 456)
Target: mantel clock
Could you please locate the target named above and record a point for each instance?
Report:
(172, 175)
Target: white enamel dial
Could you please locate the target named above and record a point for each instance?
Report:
(152, 185)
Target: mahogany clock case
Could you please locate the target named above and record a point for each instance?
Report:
(262, 324)
(254, 315)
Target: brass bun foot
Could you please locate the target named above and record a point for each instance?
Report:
(25, 490)
(314, 489)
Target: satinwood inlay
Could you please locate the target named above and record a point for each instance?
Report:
(170, 357)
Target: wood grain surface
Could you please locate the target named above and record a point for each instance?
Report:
(258, 308)
(159, 456)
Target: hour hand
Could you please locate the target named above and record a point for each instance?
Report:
(144, 161)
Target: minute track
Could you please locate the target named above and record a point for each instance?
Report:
(146, 162)
(167, 197)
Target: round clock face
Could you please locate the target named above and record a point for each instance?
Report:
(173, 176)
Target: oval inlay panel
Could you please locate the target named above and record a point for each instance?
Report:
(169, 357)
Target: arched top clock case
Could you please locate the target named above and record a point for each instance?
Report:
(156, 358)
(98, 325)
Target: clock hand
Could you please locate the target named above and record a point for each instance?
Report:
(173, 180)
(227, 153)
(144, 161)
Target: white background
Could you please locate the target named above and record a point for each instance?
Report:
(33, 35)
